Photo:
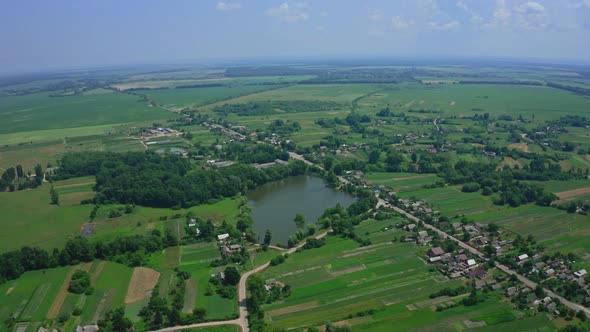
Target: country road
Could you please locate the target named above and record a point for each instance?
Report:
(242, 320)
(529, 283)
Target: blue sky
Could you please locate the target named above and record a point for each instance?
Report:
(42, 34)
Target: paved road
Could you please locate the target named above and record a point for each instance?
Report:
(529, 283)
(242, 320)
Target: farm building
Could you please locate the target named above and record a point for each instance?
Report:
(436, 251)
(222, 237)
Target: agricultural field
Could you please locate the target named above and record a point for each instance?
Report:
(80, 115)
(41, 295)
(402, 182)
(388, 278)
(191, 97)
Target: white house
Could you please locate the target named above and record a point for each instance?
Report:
(471, 262)
(580, 273)
(523, 257)
(222, 237)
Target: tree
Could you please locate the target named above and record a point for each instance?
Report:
(232, 275)
(19, 171)
(54, 196)
(374, 156)
(79, 283)
(299, 221)
(115, 321)
(38, 174)
(267, 237)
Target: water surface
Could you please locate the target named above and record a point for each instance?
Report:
(275, 204)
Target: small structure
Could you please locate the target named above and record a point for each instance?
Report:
(87, 328)
(222, 237)
(471, 262)
(523, 257)
(192, 223)
(436, 251)
(580, 273)
(422, 234)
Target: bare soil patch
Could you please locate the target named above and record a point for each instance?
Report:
(142, 281)
(8, 291)
(573, 193)
(519, 146)
(453, 103)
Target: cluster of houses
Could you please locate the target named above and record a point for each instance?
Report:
(227, 249)
(159, 132)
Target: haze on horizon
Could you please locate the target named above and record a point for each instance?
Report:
(47, 35)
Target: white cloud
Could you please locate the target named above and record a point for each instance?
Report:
(579, 4)
(375, 15)
(462, 5)
(530, 8)
(223, 6)
(443, 26)
(399, 23)
(501, 13)
(289, 13)
(530, 16)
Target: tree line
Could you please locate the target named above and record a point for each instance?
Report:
(149, 179)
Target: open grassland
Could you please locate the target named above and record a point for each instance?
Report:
(24, 211)
(451, 201)
(341, 278)
(41, 112)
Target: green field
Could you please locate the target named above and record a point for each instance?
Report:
(402, 182)
(180, 98)
(342, 278)
(36, 117)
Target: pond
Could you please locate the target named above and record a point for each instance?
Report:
(274, 205)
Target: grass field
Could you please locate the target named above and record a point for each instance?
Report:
(38, 117)
(179, 98)
(66, 220)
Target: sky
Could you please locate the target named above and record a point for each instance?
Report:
(46, 35)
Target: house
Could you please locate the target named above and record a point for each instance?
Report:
(410, 227)
(461, 258)
(580, 273)
(192, 223)
(511, 291)
(523, 257)
(422, 234)
(87, 328)
(434, 259)
(471, 262)
(228, 250)
(222, 237)
(436, 251)
(477, 273)
(479, 284)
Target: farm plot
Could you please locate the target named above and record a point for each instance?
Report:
(402, 182)
(196, 259)
(180, 98)
(385, 283)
